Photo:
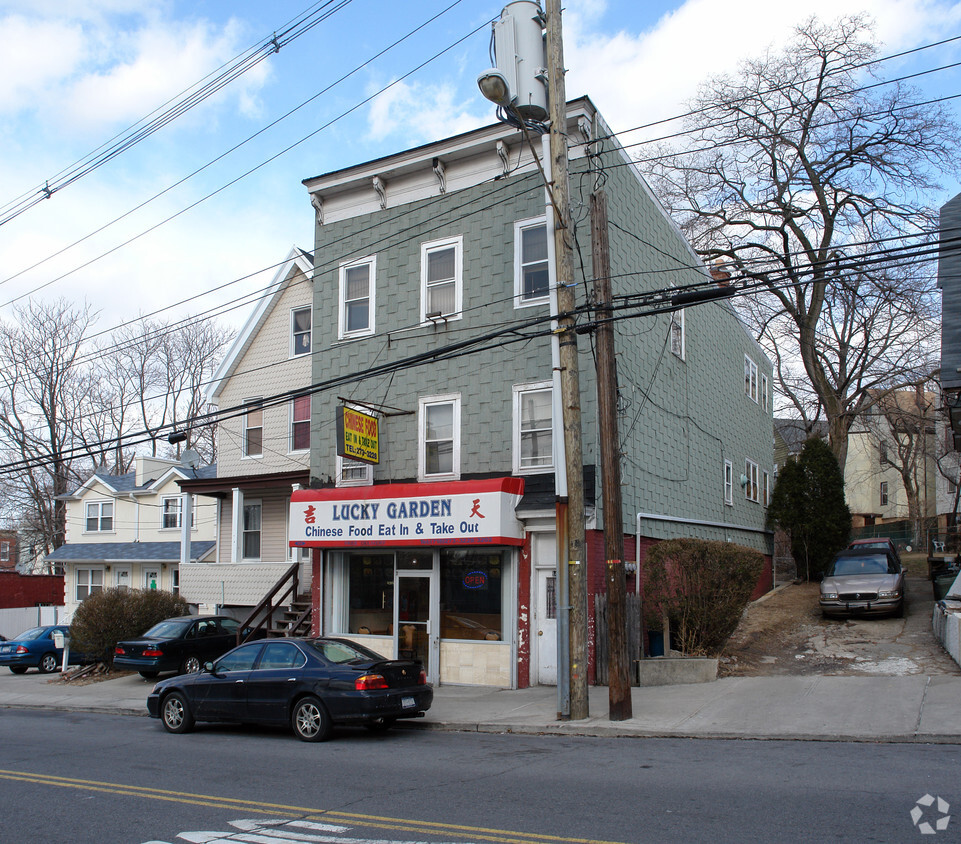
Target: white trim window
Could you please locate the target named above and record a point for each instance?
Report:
(533, 428)
(764, 392)
(883, 493)
(356, 304)
(766, 488)
(89, 582)
(251, 530)
(441, 279)
(4, 552)
(299, 424)
(300, 319)
(531, 273)
(438, 440)
(254, 428)
(99, 517)
(750, 379)
(353, 472)
(677, 333)
(729, 482)
(751, 487)
(171, 506)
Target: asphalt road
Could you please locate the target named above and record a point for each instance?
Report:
(99, 778)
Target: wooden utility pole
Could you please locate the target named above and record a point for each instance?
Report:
(619, 678)
(570, 381)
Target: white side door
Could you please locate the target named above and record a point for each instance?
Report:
(545, 608)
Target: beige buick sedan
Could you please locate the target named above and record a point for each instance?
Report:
(862, 582)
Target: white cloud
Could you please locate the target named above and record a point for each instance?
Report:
(419, 113)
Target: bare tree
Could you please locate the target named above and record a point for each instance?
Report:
(805, 179)
(42, 392)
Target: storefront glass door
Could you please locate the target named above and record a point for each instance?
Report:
(416, 637)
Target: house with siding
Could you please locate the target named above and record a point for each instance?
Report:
(437, 539)
(263, 448)
(127, 531)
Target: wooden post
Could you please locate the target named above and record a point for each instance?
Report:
(619, 678)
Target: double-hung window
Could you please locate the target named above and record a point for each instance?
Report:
(99, 517)
(766, 489)
(439, 437)
(354, 473)
(4, 552)
(300, 423)
(171, 508)
(728, 482)
(750, 379)
(251, 530)
(533, 427)
(884, 493)
(677, 333)
(89, 582)
(356, 308)
(254, 428)
(441, 267)
(751, 487)
(764, 393)
(531, 275)
(300, 331)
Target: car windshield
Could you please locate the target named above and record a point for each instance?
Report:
(32, 633)
(861, 565)
(167, 630)
(342, 652)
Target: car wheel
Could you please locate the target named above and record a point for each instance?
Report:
(48, 664)
(310, 720)
(899, 612)
(191, 665)
(175, 714)
(18, 669)
(149, 675)
(380, 725)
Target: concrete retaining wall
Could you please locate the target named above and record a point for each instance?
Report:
(673, 671)
(947, 629)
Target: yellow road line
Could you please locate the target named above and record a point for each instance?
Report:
(210, 801)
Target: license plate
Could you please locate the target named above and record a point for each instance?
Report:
(407, 702)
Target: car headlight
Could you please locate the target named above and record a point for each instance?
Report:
(888, 593)
(829, 596)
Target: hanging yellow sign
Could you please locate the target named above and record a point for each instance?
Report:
(357, 436)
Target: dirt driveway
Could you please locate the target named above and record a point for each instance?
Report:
(784, 633)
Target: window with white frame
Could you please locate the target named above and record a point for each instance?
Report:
(252, 527)
(531, 274)
(439, 437)
(89, 582)
(750, 379)
(766, 489)
(764, 392)
(300, 423)
(441, 267)
(354, 473)
(677, 333)
(171, 508)
(300, 331)
(357, 288)
(175, 586)
(533, 427)
(884, 493)
(751, 487)
(254, 428)
(728, 482)
(99, 517)
(5, 552)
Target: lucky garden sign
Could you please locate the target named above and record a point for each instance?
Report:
(399, 515)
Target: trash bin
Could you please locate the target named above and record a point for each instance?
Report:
(655, 643)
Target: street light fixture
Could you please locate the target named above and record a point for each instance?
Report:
(493, 85)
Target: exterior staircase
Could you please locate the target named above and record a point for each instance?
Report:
(283, 611)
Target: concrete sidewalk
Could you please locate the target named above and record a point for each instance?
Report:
(823, 708)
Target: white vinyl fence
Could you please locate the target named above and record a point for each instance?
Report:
(15, 621)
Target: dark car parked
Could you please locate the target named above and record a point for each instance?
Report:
(310, 684)
(863, 581)
(181, 644)
(37, 648)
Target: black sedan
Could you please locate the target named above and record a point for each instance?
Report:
(178, 644)
(310, 684)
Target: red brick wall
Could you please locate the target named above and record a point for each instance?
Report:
(29, 590)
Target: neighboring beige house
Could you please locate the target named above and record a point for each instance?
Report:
(126, 530)
(263, 448)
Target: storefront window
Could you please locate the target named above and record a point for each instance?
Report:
(470, 594)
(423, 560)
(371, 595)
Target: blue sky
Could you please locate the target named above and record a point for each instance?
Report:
(77, 74)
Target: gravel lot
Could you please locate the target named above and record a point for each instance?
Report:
(783, 633)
